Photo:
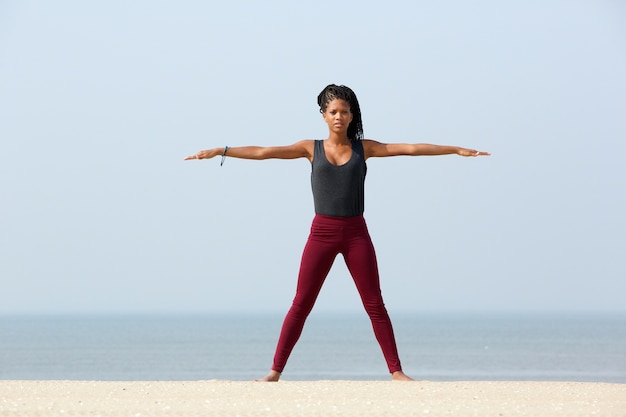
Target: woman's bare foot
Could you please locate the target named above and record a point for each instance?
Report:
(273, 376)
(400, 376)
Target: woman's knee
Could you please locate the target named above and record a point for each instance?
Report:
(376, 310)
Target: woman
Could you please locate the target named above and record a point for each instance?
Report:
(337, 178)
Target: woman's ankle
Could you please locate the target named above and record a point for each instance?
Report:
(273, 376)
(400, 376)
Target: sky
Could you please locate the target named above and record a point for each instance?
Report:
(101, 101)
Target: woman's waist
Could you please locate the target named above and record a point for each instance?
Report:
(339, 221)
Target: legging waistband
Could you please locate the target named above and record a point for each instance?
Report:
(322, 219)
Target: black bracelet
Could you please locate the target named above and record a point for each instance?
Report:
(226, 148)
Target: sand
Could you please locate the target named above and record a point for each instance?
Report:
(310, 398)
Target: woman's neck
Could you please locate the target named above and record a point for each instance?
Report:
(337, 139)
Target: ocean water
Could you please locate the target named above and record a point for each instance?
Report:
(432, 346)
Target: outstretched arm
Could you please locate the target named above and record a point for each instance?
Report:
(302, 149)
(373, 148)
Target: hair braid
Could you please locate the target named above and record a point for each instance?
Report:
(331, 92)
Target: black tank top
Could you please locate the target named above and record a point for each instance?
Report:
(338, 190)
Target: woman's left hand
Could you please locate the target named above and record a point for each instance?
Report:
(471, 152)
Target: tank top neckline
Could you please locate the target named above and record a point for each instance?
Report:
(330, 163)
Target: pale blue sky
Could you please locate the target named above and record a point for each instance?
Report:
(100, 102)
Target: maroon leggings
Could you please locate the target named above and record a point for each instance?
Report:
(329, 237)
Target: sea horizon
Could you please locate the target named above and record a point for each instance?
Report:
(437, 346)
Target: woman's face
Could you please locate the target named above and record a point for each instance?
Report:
(338, 116)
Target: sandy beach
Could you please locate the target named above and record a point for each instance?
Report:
(310, 398)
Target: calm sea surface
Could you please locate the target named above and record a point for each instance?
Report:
(437, 347)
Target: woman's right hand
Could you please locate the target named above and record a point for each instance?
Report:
(208, 154)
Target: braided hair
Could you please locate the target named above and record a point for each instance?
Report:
(332, 92)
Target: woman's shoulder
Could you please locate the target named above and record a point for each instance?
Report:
(305, 148)
(306, 143)
(369, 144)
(372, 147)
(310, 144)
